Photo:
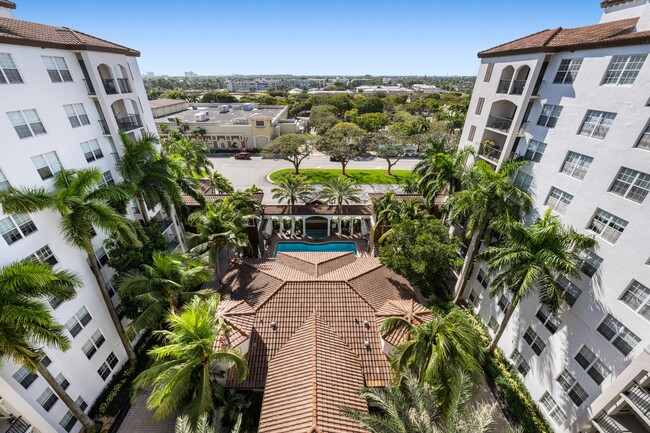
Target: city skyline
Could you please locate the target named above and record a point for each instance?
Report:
(333, 39)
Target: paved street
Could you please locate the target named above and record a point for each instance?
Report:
(244, 173)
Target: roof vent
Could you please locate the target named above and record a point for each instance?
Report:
(366, 324)
(367, 344)
(274, 325)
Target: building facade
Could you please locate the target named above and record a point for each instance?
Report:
(65, 95)
(574, 102)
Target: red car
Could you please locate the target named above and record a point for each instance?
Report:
(243, 155)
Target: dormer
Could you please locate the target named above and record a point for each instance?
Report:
(614, 10)
(7, 9)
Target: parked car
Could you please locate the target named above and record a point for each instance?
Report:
(243, 155)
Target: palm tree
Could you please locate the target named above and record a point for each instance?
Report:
(387, 211)
(489, 193)
(219, 226)
(143, 167)
(205, 425)
(531, 259)
(437, 350)
(186, 362)
(194, 153)
(26, 323)
(244, 202)
(410, 184)
(82, 205)
(442, 170)
(163, 286)
(292, 188)
(219, 184)
(341, 190)
(415, 408)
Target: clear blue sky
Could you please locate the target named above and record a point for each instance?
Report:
(351, 37)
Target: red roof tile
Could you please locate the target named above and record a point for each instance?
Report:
(411, 311)
(7, 4)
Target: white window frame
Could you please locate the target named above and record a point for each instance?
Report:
(93, 344)
(47, 399)
(44, 255)
(4, 182)
(548, 319)
(558, 200)
(107, 179)
(77, 115)
(589, 263)
(576, 165)
(570, 292)
(535, 151)
(592, 365)
(518, 361)
(57, 69)
(8, 70)
(78, 322)
(637, 297)
(63, 381)
(25, 377)
(572, 388)
(47, 164)
(16, 227)
(549, 116)
(523, 181)
(504, 303)
(596, 124)
(619, 335)
(567, 71)
(535, 342)
(631, 184)
(482, 278)
(92, 150)
(623, 70)
(554, 411)
(108, 366)
(27, 123)
(68, 421)
(607, 225)
(644, 140)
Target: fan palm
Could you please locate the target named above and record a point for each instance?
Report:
(26, 323)
(340, 190)
(437, 350)
(415, 408)
(531, 259)
(440, 171)
(488, 194)
(292, 188)
(186, 363)
(207, 425)
(219, 226)
(162, 286)
(82, 204)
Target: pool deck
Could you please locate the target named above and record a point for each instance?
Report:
(360, 242)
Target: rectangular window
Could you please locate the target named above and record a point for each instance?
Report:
(81, 403)
(54, 302)
(4, 182)
(504, 303)
(44, 255)
(555, 413)
(570, 292)
(107, 179)
(523, 181)
(26, 123)
(493, 324)
(644, 140)
(597, 124)
(576, 165)
(589, 263)
(573, 389)
(8, 70)
(482, 278)
(520, 363)
(101, 255)
(259, 124)
(488, 72)
(568, 71)
(617, 334)
(78, 321)
(594, 367)
(479, 105)
(550, 115)
(61, 380)
(631, 184)
(93, 344)
(15, 227)
(107, 366)
(623, 70)
(76, 115)
(608, 226)
(533, 340)
(548, 319)
(637, 297)
(47, 399)
(47, 164)
(57, 68)
(472, 133)
(558, 200)
(473, 298)
(91, 150)
(68, 421)
(25, 377)
(535, 151)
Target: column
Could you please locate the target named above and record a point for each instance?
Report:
(293, 226)
(340, 220)
(329, 225)
(281, 225)
(352, 225)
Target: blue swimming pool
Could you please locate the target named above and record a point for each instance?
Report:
(329, 247)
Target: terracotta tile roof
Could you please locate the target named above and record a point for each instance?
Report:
(317, 209)
(238, 317)
(608, 3)
(190, 202)
(615, 33)
(7, 4)
(19, 32)
(313, 375)
(409, 310)
(316, 264)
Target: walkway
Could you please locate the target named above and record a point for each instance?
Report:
(140, 420)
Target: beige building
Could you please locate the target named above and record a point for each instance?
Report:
(227, 126)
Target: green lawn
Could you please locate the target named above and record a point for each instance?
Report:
(363, 177)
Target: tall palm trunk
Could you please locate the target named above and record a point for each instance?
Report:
(502, 327)
(468, 264)
(96, 268)
(88, 424)
(143, 208)
(217, 269)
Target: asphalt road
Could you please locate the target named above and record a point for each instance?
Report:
(245, 173)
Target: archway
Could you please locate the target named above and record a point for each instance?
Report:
(316, 226)
(506, 78)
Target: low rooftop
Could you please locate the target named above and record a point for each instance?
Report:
(234, 114)
(160, 103)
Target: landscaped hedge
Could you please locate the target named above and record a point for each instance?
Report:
(118, 391)
(498, 371)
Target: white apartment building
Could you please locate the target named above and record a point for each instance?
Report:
(64, 96)
(575, 102)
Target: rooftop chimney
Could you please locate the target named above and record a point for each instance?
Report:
(6, 9)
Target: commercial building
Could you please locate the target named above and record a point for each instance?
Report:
(426, 88)
(388, 90)
(226, 126)
(253, 85)
(574, 102)
(65, 97)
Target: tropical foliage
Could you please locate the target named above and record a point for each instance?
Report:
(339, 191)
(292, 189)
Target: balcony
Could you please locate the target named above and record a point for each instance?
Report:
(89, 87)
(504, 86)
(129, 123)
(490, 151)
(109, 86)
(538, 85)
(124, 85)
(18, 425)
(607, 424)
(518, 87)
(104, 126)
(639, 400)
(499, 123)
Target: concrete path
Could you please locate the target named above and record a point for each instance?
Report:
(140, 420)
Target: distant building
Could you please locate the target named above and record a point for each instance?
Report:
(253, 85)
(426, 88)
(227, 126)
(149, 75)
(389, 90)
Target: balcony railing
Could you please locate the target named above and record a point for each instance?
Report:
(173, 244)
(109, 86)
(538, 85)
(129, 123)
(493, 153)
(125, 87)
(640, 399)
(500, 123)
(503, 87)
(89, 87)
(518, 87)
(18, 426)
(607, 424)
(104, 126)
